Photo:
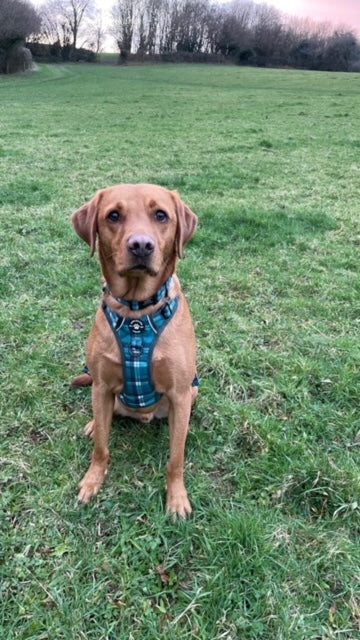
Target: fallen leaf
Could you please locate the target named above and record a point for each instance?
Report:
(164, 577)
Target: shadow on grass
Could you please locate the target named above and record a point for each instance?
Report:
(26, 192)
(261, 229)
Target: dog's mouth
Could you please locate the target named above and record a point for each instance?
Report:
(138, 269)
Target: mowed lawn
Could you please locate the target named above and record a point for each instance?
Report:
(269, 161)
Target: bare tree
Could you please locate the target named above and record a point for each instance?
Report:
(341, 52)
(170, 26)
(154, 11)
(123, 15)
(146, 25)
(19, 20)
(267, 29)
(236, 33)
(96, 33)
(191, 26)
(213, 24)
(244, 30)
(54, 28)
(63, 19)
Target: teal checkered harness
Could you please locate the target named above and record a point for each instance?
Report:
(137, 338)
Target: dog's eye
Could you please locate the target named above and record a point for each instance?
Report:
(161, 216)
(114, 216)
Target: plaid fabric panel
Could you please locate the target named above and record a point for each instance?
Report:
(136, 339)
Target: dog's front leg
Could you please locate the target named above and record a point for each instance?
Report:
(103, 407)
(177, 502)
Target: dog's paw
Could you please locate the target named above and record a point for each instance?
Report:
(89, 429)
(177, 504)
(91, 484)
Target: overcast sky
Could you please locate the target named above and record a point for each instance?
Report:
(346, 12)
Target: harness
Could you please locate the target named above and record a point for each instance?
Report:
(137, 338)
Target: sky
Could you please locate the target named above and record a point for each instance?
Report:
(346, 12)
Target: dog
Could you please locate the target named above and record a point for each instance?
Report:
(141, 353)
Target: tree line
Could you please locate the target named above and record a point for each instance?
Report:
(240, 31)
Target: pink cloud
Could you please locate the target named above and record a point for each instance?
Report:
(344, 13)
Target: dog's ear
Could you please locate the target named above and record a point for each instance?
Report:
(186, 224)
(85, 221)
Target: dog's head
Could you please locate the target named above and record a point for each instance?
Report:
(141, 228)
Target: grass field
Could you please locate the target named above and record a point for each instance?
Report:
(269, 160)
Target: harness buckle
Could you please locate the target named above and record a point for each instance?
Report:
(166, 311)
(136, 347)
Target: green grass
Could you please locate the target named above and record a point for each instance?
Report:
(269, 160)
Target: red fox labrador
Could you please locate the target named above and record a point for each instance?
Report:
(141, 351)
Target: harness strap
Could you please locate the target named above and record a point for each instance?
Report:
(136, 338)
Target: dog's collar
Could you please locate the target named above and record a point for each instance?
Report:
(138, 305)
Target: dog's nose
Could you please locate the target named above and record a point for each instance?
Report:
(141, 246)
